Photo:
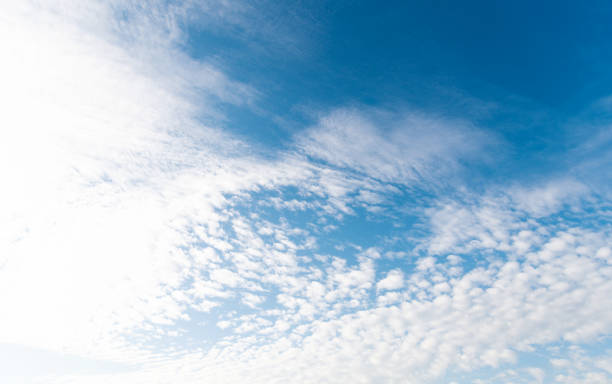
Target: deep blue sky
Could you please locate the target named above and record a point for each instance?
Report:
(553, 54)
(524, 71)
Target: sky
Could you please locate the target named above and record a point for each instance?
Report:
(305, 191)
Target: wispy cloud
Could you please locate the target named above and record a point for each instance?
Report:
(399, 147)
(103, 160)
(132, 232)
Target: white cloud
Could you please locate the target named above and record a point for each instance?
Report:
(537, 373)
(252, 300)
(486, 222)
(487, 318)
(547, 199)
(123, 216)
(106, 170)
(225, 277)
(406, 148)
(394, 280)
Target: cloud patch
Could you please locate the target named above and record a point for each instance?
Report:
(394, 147)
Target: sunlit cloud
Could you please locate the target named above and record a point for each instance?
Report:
(142, 239)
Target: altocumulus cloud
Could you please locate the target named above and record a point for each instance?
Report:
(133, 233)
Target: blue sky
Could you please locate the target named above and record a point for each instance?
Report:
(230, 192)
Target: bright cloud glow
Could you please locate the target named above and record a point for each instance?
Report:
(146, 238)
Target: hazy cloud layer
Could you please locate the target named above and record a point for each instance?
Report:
(160, 249)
